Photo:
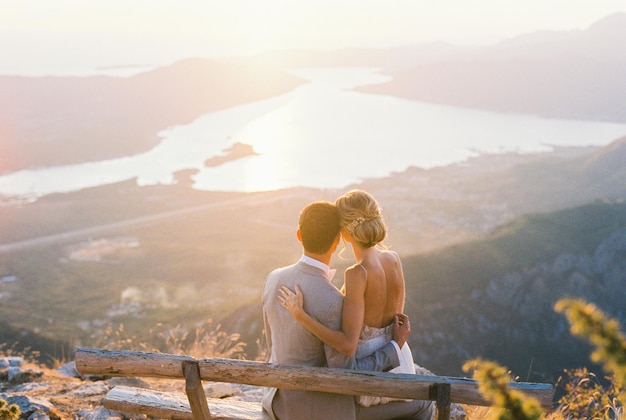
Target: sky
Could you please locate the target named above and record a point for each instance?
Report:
(61, 36)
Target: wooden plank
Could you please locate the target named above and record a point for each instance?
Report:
(195, 392)
(342, 381)
(174, 405)
(129, 363)
(167, 405)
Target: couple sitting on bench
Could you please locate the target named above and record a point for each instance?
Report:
(309, 322)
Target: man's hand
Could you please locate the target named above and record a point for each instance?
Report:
(401, 329)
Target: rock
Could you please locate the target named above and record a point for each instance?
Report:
(32, 407)
(6, 362)
(420, 370)
(38, 415)
(89, 390)
(30, 387)
(128, 381)
(69, 370)
(457, 412)
(16, 375)
(101, 413)
(219, 390)
(251, 393)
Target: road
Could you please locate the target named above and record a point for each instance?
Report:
(90, 231)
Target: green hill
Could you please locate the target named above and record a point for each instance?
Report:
(493, 298)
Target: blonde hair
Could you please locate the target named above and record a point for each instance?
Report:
(361, 217)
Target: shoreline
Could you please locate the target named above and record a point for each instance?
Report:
(240, 150)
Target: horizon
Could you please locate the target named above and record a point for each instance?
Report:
(73, 37)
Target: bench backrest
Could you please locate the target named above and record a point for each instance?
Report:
(342, 381)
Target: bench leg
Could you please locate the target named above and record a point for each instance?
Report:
(440, 393)
(195, 392)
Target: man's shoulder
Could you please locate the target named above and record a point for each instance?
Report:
(276, 278)
(280, 273)
(283, 269)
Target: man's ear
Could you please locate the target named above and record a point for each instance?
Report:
(299, 235)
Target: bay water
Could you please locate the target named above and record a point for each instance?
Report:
(323, 134)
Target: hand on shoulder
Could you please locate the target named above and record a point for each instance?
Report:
(293, 301)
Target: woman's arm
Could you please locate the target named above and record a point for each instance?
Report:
(346, 340)
(400, 272)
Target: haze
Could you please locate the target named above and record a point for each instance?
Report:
(74, 37)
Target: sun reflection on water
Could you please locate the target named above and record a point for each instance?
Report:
(275, 138)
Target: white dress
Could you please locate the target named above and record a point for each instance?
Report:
(370, 340)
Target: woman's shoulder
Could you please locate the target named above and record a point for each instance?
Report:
(356, 268)
(390, 256)
(356, 272)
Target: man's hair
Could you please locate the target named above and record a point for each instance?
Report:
(319, 226)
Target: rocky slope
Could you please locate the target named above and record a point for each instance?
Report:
(63, 393)
(494, 299)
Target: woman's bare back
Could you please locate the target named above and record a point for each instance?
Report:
(384, 293)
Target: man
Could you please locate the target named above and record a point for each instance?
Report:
(290, 343)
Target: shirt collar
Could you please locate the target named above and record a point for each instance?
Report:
(328, 272)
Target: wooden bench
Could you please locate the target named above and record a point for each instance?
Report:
(442, 390)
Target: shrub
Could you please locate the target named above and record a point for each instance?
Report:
(589, 322)
(586, 398)
(205, 340)
(493, 384)
(9, 412)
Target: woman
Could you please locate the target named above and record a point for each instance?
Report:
(373, 288)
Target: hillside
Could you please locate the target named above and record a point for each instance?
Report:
(575, 75)
(62, 120)
(428, 209)
(23, 341)
(494, 298)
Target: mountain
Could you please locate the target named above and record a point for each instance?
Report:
(62, 120)
(393, 58)
(494, 298)
(574, 74)
(428, 209)
(550, 184)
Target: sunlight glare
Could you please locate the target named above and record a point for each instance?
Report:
(273, 137)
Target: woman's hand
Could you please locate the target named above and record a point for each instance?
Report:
(401, 329)
(292, 301)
